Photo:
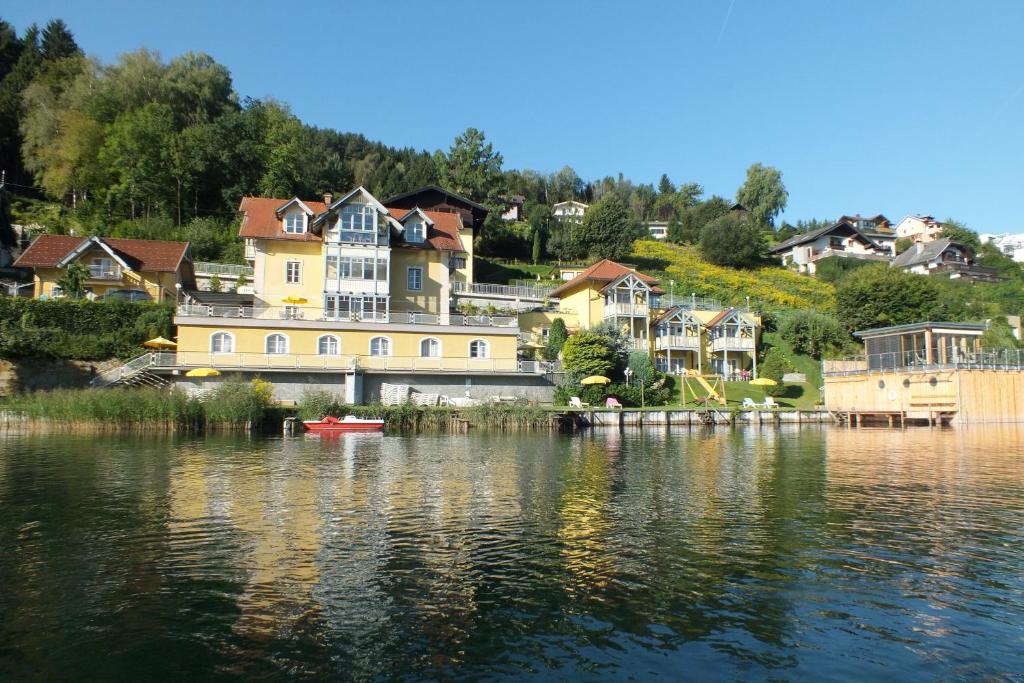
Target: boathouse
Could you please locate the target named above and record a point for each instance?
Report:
(937, 372)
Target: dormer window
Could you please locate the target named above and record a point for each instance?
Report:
(295, 223)
(415, 232)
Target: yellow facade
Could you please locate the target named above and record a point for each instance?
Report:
(160, 286)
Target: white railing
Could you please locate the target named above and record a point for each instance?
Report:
(942, 358)
(103, 273)
(205, 268)
(287, 361)
(515, 292)
(677, 341)
(732, 344)
(316, 314)
(635, 310)
(129, 369)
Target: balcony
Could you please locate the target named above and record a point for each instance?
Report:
(962, 270)
(316, 314)
(676, 342)
(340, 363)
(105, 273)
(621, 310)
(732, 344)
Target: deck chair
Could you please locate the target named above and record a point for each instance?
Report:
(575, 402)
(769, 402)
(612, 402)
(750, 403)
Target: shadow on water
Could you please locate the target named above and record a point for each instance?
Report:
(744, 553)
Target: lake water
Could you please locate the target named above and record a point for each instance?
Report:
(794, 554)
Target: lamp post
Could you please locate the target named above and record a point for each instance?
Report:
(628, 373)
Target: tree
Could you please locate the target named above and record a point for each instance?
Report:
(763, 194)
(960, 233)
(57, 41)
(880, 296)
(687, 229)
(557, 337)
(732, 240)
(72, 280)
(136, 155)
(472, 168)
(813, 334)
(215, 284)
(775, 366)
(999, 335)
(641, 367)
(902, 244)
(538, 245)
(607, 230)
(586, 353)
(240, 283)
(665, 186)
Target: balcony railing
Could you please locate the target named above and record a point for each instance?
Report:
(941, 358)
(316, 314)
(957, 269)
(105, 273)
(205, 268)
(626, 310)
(732, 344)
(515, 292)
(677, 341)
(296, 361)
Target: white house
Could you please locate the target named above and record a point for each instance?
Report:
(571, 210)
(658, 229)
(945, 257)
(918, 228)
(840, 239)
(1011, 245)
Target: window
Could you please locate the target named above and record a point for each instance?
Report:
(430, 348)
(328, 345)
(357, 223)
(222, 342)
(347, 307)
(277, 343)
(56, 291)
(102, 268)
(415, 231)
(415, 279)
(293, 272)
(458, 261)
(478, 349)
(295, 222)
(356, 268)
(380, 346)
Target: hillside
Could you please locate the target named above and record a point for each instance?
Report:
(769, 288)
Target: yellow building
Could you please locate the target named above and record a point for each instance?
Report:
(352, 287)
(122, 268)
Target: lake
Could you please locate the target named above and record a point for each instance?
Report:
(796, 554)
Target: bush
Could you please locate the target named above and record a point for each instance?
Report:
(586, 353)
(879, 296)
(774, 366)
(813, 334)
(734, 241)
(557, 337)
(236, 403)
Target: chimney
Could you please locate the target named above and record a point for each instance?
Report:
(328, 198)
(920, 246)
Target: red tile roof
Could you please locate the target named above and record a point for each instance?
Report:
(261, 220)
(142, 255)
(606, 272)
(443, 235)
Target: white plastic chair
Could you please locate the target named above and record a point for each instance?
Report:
(575, 402)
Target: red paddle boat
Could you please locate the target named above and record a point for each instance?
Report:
(351, 423)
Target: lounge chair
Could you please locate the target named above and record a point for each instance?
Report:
(750, 403)
(769, 402)
(575, 402)
(612, 402)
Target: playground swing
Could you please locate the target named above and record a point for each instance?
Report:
(703, 389)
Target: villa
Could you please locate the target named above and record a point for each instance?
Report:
(842, 239)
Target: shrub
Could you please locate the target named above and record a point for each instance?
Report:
(774, 366)
(879, 296)
(586, 353)
(734, 241)
(236, 403)
(557, 337)
(813, 334)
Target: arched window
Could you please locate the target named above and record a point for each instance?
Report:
(277, 343)
(222, 342)
(328, 345)
(478, 348)
(430, 348)
(380, 346)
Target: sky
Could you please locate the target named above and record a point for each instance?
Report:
(866, 106)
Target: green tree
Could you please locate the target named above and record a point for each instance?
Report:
(557, 337)
(472, 168)
(687, 229)
(763, 194)
(902, 244)
(774, 366)
(999, 335)
(608, 230)
(241, 283)
(959, 232)
(72, 280)
(586, 353)
(57, 41)
(665, 186)
(538, 246)
(880, 296)
(732, 240)
(135, 153)
(215, 284)
(813, 334)
(641, 367)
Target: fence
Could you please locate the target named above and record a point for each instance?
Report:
(342, 363)
(317, 314)
(940, 358)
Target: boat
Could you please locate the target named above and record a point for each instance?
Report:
(350, 423)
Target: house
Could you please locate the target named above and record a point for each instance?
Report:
(569, 211)
(350, 294)
(1011, 245)
(658, 229)
(944, 257)
(514, 213)
(878, 228)
(160, 268)
(918, 228)
(841, 239)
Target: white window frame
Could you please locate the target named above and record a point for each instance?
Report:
(482, 344)
(337, 344)
(287, 272)
(387, 346)
(409, 279)
(228, 335)
(290, 227)
(266, 344)
(416, 236)
(433, 340)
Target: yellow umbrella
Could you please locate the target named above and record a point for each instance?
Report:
(295, 300)
(202, 372)
(160, 343)
(763, 382)
(595, 379)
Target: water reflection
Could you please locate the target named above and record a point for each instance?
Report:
(746, 553)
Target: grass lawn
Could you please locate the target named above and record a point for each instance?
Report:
(502, 273)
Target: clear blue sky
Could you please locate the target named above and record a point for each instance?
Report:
(866, 106)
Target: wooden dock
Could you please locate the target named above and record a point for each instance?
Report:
(579, 418)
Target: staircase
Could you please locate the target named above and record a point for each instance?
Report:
(136, 372)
